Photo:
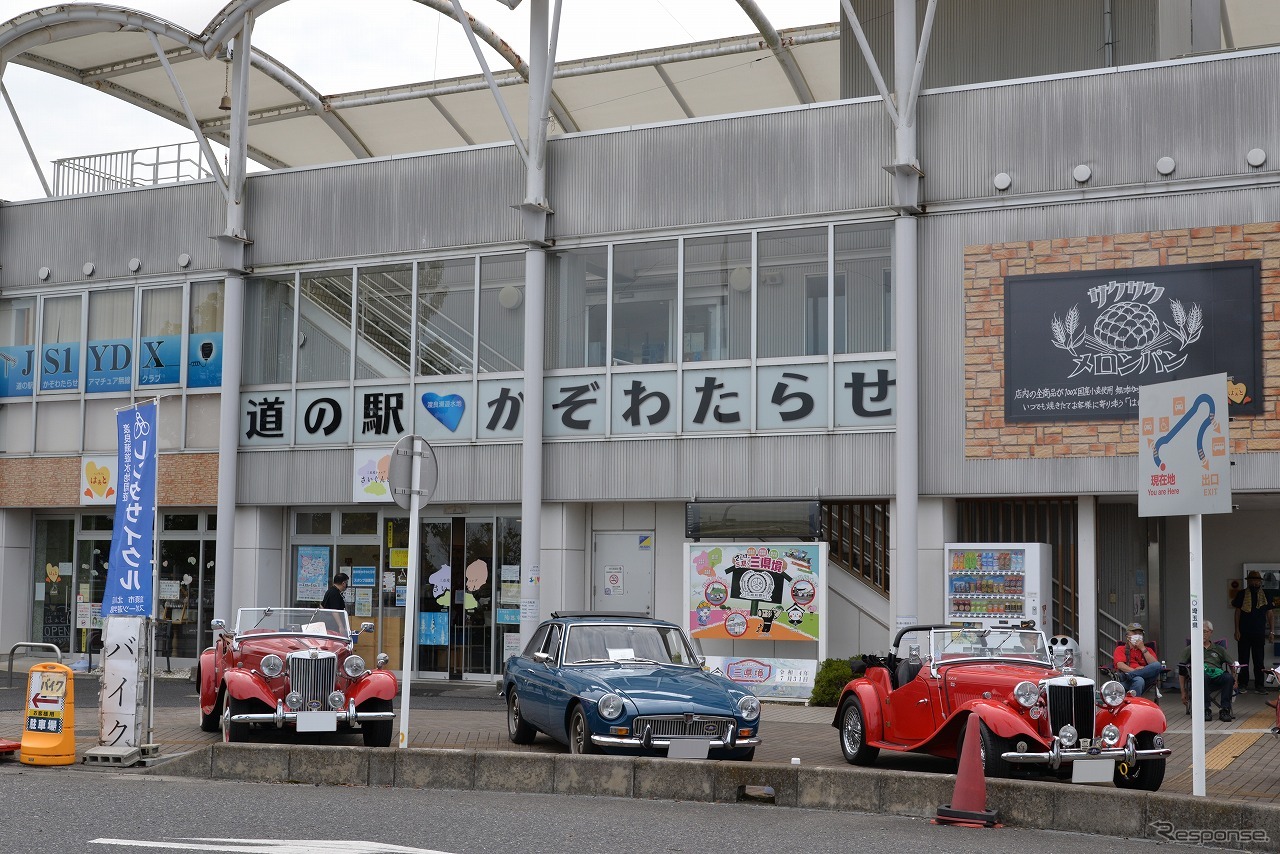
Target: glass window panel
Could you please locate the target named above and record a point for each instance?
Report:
(267, 344)
(577, 306)
(58, 427)
(180, 521)
(95, 522)
(717, 298)
(502, 313)
(864, 288)
(16, 435)
(360, 523)
(446, 316)
(161, 312)
(791, 294)
(100, 423)
(206, 307)
(169, 428)
(324, 327)
(202, 421)
(313, 523)
(53, 607)
(384, 315)
(644, 303)
(17, 322)
(61, 333)
(110, 315)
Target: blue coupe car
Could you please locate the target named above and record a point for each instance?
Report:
(627, 684)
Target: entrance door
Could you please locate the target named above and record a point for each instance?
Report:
(455, 634)
(622, 572)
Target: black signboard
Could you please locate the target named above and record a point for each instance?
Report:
(1079, 345)
(57, 626)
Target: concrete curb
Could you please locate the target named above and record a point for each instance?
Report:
(1030, 804)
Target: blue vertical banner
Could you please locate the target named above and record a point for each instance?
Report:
(129, 569)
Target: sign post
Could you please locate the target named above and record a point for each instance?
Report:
(412, 475)
(1184, 468)
(49, 727)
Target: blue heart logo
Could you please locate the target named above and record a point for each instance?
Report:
(447, 408)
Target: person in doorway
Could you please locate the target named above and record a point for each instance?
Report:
(1137, 664)
(1255, 627)
(333, 599)
(1217, 675)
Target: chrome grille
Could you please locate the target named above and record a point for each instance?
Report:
(312, 675)
(684, 726)
(1071, 705)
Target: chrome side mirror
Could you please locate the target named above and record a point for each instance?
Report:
(366, 627)
(218, 625)
(542, 657)
(382, 660)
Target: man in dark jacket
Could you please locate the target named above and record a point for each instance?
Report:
(333, 596)
(1253, 630)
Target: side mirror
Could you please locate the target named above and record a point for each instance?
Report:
(218, 625)
(366, 627)
(542, 657)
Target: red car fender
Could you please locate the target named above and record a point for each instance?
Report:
(999, 718)
(1135, 715)
(872, 717)
(374, 685)
(208, 681)
(246, 685)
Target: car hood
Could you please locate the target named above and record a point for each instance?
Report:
(994, 675)
(656, 689)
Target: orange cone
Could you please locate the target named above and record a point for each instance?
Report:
(968, 807)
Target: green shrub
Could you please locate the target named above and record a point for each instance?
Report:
(829, 681)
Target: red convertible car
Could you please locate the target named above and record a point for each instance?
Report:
(1029, 714)
(293, 667)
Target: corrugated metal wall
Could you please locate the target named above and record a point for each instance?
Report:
(154, 225)
(843, 465)
(975, 41)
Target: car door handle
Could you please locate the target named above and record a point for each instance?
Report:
(922, 701)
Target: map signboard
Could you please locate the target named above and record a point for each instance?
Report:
(1184, 460)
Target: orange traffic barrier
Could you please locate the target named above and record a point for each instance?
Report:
(968, 807)
(49, 731)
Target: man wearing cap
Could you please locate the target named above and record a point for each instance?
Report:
(1254, 628)
(1137, 664)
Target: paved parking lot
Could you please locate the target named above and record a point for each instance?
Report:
(1242, 757)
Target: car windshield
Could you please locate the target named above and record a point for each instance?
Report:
(307, 621)
(598, 643)
(1016, 644)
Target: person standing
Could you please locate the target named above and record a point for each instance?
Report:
(333, 599)
(1254, 629)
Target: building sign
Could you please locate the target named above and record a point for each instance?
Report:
(1184, 459)
(1079, 345)
(204, 360)
(765, 591)
(128, 590)
(771, 678)
(370, 471)
(109, 366)
(98, 480)
(160, 360)
(17, 371)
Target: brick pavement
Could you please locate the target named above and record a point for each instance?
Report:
(1242, 757)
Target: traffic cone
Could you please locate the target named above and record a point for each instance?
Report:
(968, 807)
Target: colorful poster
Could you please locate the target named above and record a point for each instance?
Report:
(363, 576)
(765, 591)
(98, 480)
(771, 678)
(369, 475)
(364, 601)
(433, 628)
(313, 573)
(128, 589)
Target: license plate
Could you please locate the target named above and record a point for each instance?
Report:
(688, 748)
(317, 721)
(1092, 771)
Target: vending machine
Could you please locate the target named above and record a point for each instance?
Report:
(999, 584)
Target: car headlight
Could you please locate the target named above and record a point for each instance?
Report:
(610, 706)
(1111, 735)
(353, 666)
(1112, 693)
(293, 700)
(1068, 735)
(271, 665)
(336, 700)
(749, 707)
(1027, 693)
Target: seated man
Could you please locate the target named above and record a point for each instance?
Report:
(1136, 662)
(1217, 675)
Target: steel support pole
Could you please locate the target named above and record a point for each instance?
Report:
(232, 243)
(905, 592)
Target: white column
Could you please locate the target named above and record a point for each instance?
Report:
(1087, 582)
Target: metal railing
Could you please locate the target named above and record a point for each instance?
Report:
(31, 645)
(136, 167)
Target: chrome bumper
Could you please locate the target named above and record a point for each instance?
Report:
(1057, 755)
(280, 717)
(647, 744)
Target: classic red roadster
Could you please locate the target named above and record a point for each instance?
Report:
(293, 667)
(1030, 715)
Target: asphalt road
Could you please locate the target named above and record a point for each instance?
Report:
(78, 811)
